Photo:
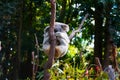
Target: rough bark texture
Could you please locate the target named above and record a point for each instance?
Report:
(50, 61)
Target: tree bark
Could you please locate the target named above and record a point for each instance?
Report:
(18, 54)
(50, 61)
(98, 31)
(107, 35)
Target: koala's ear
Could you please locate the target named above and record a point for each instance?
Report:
(63, 25)
(46, 29)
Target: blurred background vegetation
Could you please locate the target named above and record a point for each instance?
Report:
(22, 21)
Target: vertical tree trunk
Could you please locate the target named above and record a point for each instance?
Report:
(107, 38)
(50, 61)
(107, 35)
(107, 42)
(98, 31)
(29, 57)
(18, 54)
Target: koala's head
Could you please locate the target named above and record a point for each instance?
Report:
(59, 27)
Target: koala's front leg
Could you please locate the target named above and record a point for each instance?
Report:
(62, 48)
(62, 35)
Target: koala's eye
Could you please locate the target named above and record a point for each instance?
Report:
(47, 30)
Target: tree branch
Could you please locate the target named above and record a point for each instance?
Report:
(35, 58)
(33, 67)
(98, 63)
(50, 61)
(79, 28)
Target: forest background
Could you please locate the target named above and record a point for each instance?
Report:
(22, 24)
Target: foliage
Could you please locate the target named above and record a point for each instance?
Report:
(70, 72)
(21, 19)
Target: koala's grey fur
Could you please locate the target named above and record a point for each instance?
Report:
(62, 39)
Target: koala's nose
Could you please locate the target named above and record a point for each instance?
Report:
(55, 30)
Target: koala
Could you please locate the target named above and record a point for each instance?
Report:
(62, 39)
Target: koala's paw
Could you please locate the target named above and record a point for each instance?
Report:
(57, 33)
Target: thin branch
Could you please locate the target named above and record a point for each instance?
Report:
(0, 46)
(35, 59)
(37, 45)
(98, 63)
(33, 68)
(79, 28)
